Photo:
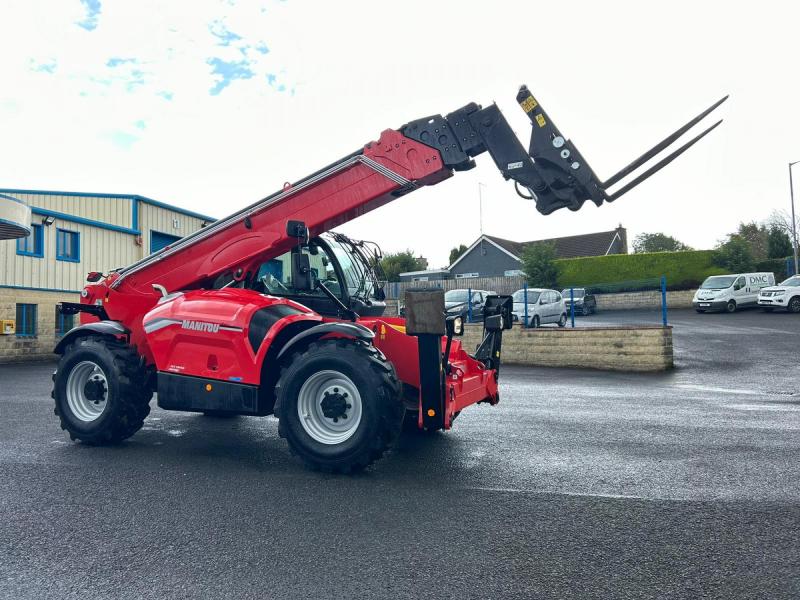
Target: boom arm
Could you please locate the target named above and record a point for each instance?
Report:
(422, 152)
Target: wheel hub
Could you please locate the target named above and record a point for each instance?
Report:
(329, 407)
(335, 404)
(95, 390)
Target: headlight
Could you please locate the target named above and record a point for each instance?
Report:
(779, 293)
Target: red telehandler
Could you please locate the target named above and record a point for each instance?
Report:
(269, 312)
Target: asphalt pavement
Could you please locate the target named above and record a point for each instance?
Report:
(578, 484)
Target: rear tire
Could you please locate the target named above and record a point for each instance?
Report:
(101, 391)
(562, 322)
(730, 306)
(794, 305)
(338, 405)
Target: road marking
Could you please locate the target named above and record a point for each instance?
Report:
(505, 490)
(773, 407)
(708, 388)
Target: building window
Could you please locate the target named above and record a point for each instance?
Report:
(33, 245)
(467, 275)
(26, 320)
(68, 245)
(63, 322)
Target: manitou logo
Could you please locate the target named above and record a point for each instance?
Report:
(201, 326)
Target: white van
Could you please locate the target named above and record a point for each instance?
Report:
(729, 292)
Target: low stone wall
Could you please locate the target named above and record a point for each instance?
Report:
(644, 348)
(649, 299)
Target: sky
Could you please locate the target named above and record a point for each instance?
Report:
(212, 104)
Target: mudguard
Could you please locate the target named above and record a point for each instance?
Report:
(351, 330)
(113, 328)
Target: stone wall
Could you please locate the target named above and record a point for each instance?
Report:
(642, 348)
(15, 348)
(648, 299)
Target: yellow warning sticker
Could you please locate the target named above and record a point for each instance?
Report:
(529, 104)
(540, 120)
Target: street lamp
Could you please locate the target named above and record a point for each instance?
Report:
(794, 221)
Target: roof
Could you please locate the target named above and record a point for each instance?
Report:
(572, 246)
(143, 199)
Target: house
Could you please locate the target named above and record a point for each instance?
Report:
(491, 256)
(70, 234)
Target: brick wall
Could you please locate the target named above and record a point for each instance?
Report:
(614, 349)
(14, 348)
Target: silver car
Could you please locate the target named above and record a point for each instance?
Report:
(544, 306)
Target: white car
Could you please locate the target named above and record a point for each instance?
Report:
(544, 306)
(786, 295)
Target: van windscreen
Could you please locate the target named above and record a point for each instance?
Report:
(719, 282)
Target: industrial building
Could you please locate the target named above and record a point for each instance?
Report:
(72, 233)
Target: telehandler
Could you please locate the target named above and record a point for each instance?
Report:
(268, 311)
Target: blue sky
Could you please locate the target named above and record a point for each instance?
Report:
(214, 103)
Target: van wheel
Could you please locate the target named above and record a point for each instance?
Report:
(794, 305)
(562, 322)
(731, 306)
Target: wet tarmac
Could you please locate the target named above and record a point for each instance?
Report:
(579, 484)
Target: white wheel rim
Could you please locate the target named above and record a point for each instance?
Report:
(87, 391)
(329, 407)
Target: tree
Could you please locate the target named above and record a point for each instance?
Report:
(456, 252)
(399, 262)
(757, 238)
(657, 242)
(538, 265)
(778, 243)
(735, 255)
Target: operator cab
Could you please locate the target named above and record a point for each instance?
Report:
(343, 266)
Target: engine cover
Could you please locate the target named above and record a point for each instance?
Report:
(218, 334)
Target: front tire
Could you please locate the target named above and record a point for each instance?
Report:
(794, 305)
(535, 321)
(338, 405)
(101, 391)
(562, 322)
(730, 306)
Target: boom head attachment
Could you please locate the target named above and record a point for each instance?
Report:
(552, 170)
(568, 178)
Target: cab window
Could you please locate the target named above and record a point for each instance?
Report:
(275, 276)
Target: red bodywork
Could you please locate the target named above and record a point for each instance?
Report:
(240, 247)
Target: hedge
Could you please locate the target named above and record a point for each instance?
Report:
(683, 270)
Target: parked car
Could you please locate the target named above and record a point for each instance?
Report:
(786, 295)
(455, 302)
(729, 292)
(544, 306)
(585, 302)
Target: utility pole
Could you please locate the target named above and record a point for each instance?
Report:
(794, 220)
